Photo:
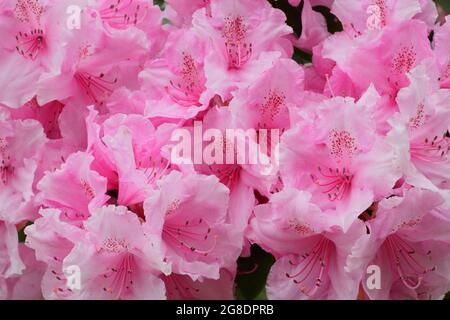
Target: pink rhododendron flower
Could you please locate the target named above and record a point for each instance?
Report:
(421, 129)
(409, 241)
(224, 149)
(241, 177)
(442, 50)
(25, 286)
(188, 214)
(314, 28)
(265, 104)
(358, 17)
(85, 188)
(116, 258)
(340, 159)
(311, 250)
(246, 37)
(21, 146)
(128, 153)
(386, 57)
(52, 239)
(182, 287)
(176, 83)
(180, 12)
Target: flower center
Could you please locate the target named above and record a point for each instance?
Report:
(239, 50)
(114, 245)
(312, 267)
(28, 11)
(273, 102)
(433, 150)
(193, 235)
(29, 44)
(120, 277)
(181, 286)
(342, 145)
(336, 183)
(6, 167)
(189, 85)
(96, 87)
(410, 266)
(404, 60)
(419, 119)
(120, 14)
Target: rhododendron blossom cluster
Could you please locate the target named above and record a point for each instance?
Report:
(351, 191)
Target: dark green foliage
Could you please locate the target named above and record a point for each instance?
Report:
(252, 274)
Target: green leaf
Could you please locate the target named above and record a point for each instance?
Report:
(333, 23)
(21, 233)
(293, 14)
(160, 3)
(301, 57)
(252, 274)
(445, 4)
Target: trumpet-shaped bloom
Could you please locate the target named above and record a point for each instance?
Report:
(188, 215)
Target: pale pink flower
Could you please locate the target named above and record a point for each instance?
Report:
(93, 64)
(21, 146)
(442, 51)
(10, 261)
(182, 287)
(265, 103)
(409, 242)
(116, 258)
(383, 59)
(420, 132)
(175, 83)
(363, 16)
(340, 159)
(311, 250)
(32, 37)
(26, 286)
(188, 215)
(246, 37)
(314, 28)
(52, 239)
(75, 189)
(180, 12)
